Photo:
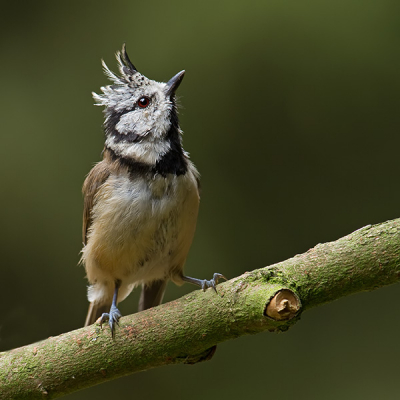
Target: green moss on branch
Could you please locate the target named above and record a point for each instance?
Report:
(186, 330)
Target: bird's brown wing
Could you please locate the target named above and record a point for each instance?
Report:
(97, 176)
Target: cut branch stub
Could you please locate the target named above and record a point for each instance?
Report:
(284, 305)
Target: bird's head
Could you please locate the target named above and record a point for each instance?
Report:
(140, 114)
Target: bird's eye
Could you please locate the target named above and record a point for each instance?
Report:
(143, 102)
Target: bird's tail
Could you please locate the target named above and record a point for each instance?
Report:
(152, 294)
(95, 311)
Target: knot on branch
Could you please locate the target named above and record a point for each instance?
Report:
(283, 306)
(204, 356)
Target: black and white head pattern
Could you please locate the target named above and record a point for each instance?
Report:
(141, 121)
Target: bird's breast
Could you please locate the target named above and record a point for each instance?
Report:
(139, 226)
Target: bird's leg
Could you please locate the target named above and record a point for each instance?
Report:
(204, 283)
(114, 315)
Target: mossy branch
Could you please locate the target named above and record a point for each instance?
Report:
(187, 330)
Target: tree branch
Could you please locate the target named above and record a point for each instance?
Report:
(187, 330)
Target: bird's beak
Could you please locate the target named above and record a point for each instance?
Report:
(174, 83)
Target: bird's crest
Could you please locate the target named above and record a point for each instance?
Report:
(129, 80)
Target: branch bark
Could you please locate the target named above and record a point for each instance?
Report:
(187, 330)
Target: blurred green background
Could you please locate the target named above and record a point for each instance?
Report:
(291, 113)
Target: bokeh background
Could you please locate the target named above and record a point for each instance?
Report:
(291, 113)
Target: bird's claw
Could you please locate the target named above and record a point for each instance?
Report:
(112, 317)
(212, 283)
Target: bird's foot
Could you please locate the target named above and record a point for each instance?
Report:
(204, 283)
(112, 317)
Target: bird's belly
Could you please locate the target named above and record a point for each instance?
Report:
(136, 234)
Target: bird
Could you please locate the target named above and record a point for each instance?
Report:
(141, 201)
